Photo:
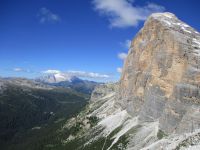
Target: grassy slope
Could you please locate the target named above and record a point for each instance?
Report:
(21, 110)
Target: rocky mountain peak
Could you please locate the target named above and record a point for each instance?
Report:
(56, 78)
(161, 75)
(156, 104)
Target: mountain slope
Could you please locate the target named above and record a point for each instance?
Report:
(79, 85)
(156, 103)
(29, 109)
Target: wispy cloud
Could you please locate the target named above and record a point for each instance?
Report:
(88, 74)
(123, 13)
(18, 69)
(126, 44)
(51, 71)
(119, 70)
(122, 56)
(46, 16)
(80, 74)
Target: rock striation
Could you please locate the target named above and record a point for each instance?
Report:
(102, 90)
(161, 75)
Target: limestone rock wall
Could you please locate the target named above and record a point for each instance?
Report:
(161, 75)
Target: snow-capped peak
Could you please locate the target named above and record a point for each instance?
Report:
(166, 14)
(56, 78)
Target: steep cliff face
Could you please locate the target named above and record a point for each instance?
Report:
(161, 75)
(156, 104)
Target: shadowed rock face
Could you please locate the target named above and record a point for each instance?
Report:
(161, 75)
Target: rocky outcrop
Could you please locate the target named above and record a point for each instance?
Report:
(103, 90)
(161, 75)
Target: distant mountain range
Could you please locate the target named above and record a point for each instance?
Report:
(56, 78)
(68, 81)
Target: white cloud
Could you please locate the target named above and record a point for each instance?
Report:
(81, 74)
(123, 13)
(119, 70)
(126, 44)
(18, 69)
(88, 74)
(122, 56)
(45, 15)
(50, 71)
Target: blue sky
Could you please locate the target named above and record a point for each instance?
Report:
(87, 36)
